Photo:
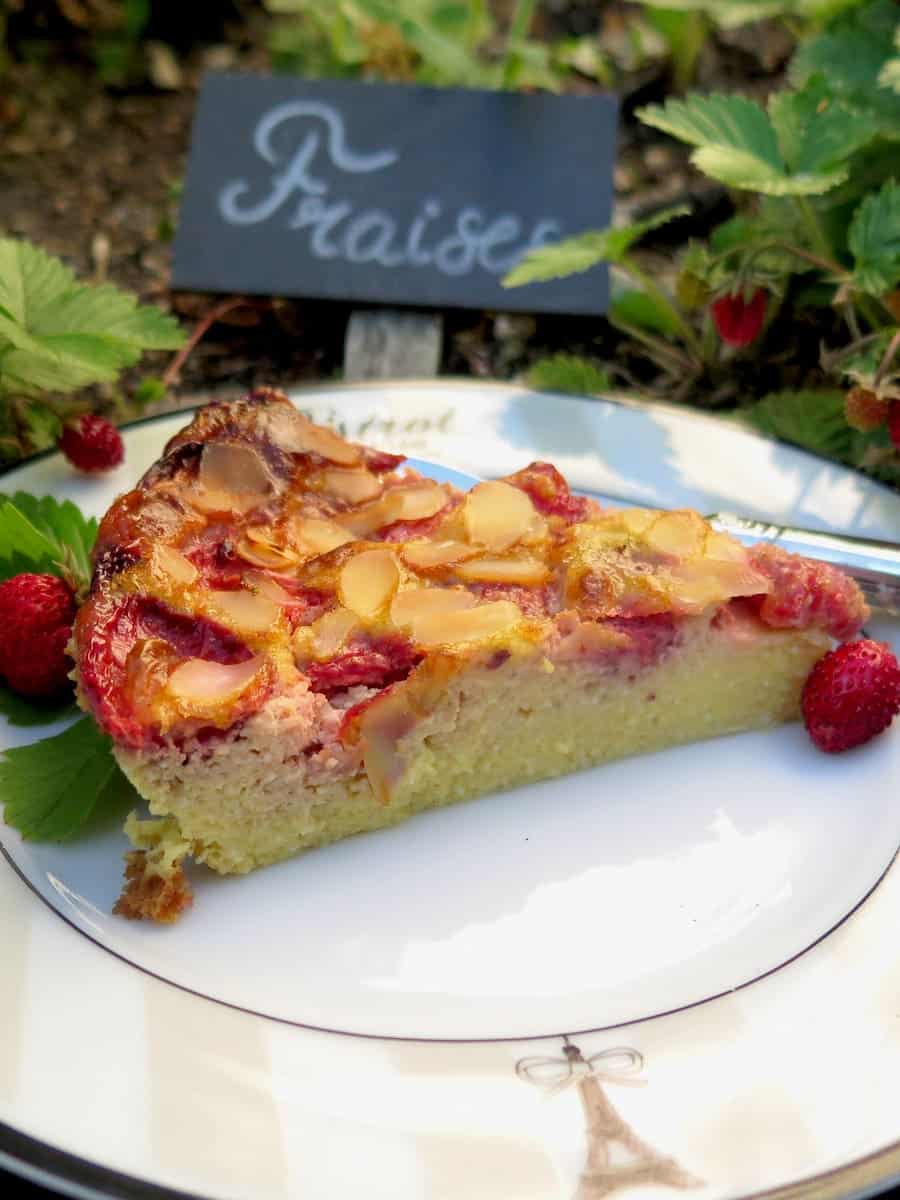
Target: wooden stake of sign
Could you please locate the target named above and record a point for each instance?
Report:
(387, 344)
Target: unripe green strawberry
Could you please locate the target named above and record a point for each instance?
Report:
(691, 291)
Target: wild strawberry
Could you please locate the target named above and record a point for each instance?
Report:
(36, 615)
(852, 694)
(739, 321)
(893, 422)
(864, 409)
(92, 443)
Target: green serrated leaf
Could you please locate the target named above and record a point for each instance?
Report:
(59, 335)
(50, 788)
(736, 142)
(817, 133)
(813, 420)
(874, 241)
(42, 534)
(569, 373)
(21, 711)
(42, 424)
(585, 250)
(20, 538)
(638, 308)
(850, 55)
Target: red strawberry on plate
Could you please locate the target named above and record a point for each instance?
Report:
(852, 694)
(36, 615)
(92, 444)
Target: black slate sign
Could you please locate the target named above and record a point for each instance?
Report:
(388, 193)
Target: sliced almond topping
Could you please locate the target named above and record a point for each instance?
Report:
(201, 687)
(330, 632)
(301, 436)
(245, 612)
(228, 467)
(636, 520)
(173, 564)
(414, 603)
(694, 593)
(368, 581)
(147, 670)
(423, 555)
(736, 578)
(466, 625)
(353, 486)
(504, 570)
(721, 547)
(268, 587)
(318, 535)
(258, 547)
(497, 515)
(678, 533)
(218, 503)
(414, 503)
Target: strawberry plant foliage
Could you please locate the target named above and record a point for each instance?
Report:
(585, 250)
(814, 177)
(46, 536)
(800, 147)
(35, 783)
(58, 335)
(874, 241)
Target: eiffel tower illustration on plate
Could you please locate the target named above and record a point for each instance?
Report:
(617, 1159)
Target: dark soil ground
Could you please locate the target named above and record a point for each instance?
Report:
(91, 173)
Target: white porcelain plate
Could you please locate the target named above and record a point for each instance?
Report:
(675, 971)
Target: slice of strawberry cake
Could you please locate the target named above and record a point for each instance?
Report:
(292, 638)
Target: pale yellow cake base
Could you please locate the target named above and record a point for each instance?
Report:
(254, 800)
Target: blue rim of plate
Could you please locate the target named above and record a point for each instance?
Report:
(48, 1166)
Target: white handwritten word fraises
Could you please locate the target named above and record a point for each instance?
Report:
(452, 243)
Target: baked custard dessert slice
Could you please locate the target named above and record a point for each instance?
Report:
(292, 639)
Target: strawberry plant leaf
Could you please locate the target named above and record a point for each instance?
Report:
(42, 424)
(50, 788)
(569, 373)
(874, 241)
(585, 250)
(23, 711)
(816, 133)
(57, 334)
(736, 142)
(889, 75)
(638, 308)
(44, 535)
(813, 420)
(850, 55)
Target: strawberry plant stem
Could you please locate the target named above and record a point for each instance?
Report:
(814, 227)
(889, 354)
(518, 31)
(667, 356)
(170, 376)
(653, 289)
